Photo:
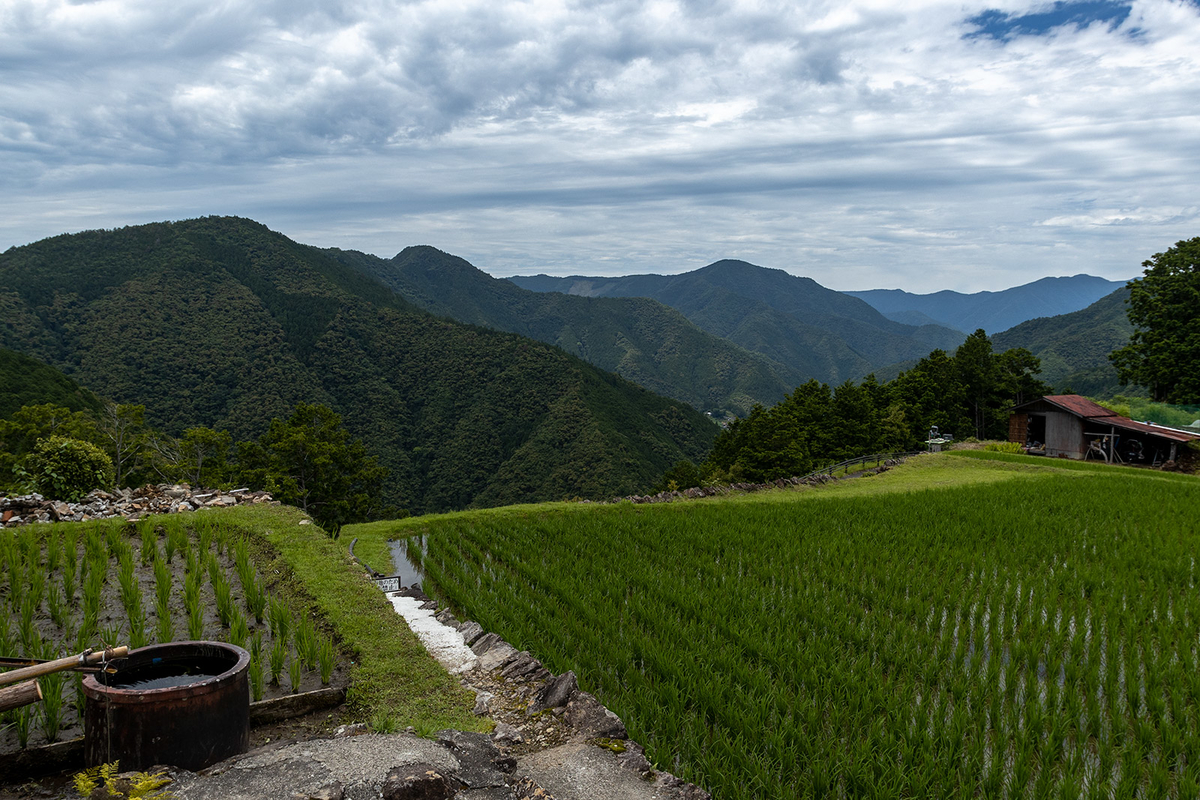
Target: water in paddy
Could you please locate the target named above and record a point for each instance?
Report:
(409, 572)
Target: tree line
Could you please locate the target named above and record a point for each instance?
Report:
(307, 460)
(966, 394)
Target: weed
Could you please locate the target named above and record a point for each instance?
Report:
(382, 721)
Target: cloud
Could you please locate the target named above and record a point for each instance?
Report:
(931, 146)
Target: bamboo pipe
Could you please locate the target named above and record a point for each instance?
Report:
(20, 695)
(60, 664)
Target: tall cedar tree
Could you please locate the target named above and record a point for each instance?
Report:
(1164, 306)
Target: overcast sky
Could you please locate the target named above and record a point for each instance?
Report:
(867, 144)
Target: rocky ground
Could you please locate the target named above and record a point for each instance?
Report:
(132, 504)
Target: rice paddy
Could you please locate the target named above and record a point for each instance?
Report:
(1035, 633)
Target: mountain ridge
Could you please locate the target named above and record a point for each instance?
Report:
(224, 323)
(822, 333)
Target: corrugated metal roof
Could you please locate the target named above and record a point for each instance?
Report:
(1142, 427)
(1093, 412)
(1080, 406)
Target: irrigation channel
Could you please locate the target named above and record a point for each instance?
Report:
(443, 642)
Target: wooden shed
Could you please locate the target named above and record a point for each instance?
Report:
(1070, 426)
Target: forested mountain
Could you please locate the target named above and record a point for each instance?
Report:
(1074, 347)
(222, 323)
(992, 311)
(643, 340)
(816, 331)
(25, 381)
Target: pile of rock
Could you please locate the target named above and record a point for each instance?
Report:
(132, 504)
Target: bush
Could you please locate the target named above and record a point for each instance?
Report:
(1003, 447)
(67, 469)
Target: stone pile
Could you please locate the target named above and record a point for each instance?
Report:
(132, 504)
(818, 479)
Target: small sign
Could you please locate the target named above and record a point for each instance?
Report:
(388, 584)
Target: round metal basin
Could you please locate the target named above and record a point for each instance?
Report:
(185, 704)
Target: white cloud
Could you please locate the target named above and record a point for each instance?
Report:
(855, 142)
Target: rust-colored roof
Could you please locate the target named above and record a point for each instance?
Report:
(1093, 412)
(1080, 406)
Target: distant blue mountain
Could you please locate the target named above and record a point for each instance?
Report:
(992, 311)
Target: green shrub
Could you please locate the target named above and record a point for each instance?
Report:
(67, 469)
(1003, 447)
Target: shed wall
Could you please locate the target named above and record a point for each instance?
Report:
(1064, 435)
(1018, 428)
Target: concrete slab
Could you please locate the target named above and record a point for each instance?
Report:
(587, 772)
(360, 763)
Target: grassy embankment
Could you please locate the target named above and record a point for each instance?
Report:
(890, 634)
(393, 679)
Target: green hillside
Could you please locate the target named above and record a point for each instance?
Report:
(27, 381)
(1074, 347)
(223, 323)
(821, 333)
(643, 340)
(961, 626)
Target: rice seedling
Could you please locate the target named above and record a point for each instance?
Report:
(162, 581)
(306, 641)
(195, 622)
(56, 606)
(171, 545)
(53, 552)
(999, 646)
(256, 676)
(149, 541)
(69, 572)
(7, 643)
(26, 626)
(325, 656)
(223, 594)
(256, 644)
(278, 654)
(256, 598)
(281, 619)
(22, 720)
(239, 631)
(295, 672)
(164, 625)
(52, 700)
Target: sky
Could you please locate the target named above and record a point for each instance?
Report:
(922, 145)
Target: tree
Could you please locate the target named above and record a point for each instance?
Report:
(1163, 353)
(310, 461)
(200, 457)
(67, 469)
(124, 431)
(20, 434)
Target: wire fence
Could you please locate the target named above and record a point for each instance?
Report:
(875, 458)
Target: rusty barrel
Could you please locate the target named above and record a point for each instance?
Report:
(185, 704)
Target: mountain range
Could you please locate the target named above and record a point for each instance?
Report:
(992, 311)
(645, 341)
(791, 320)
(1074, 347)
(223, 323)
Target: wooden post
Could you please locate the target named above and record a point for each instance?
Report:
(60, 664)
(20, 695)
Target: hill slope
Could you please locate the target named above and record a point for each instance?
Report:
(221, 322)
(1074, 347)
(992, 311)
(818, 332)
(641, 339)
(27, 382)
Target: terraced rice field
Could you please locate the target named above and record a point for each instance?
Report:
(1031, 636)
